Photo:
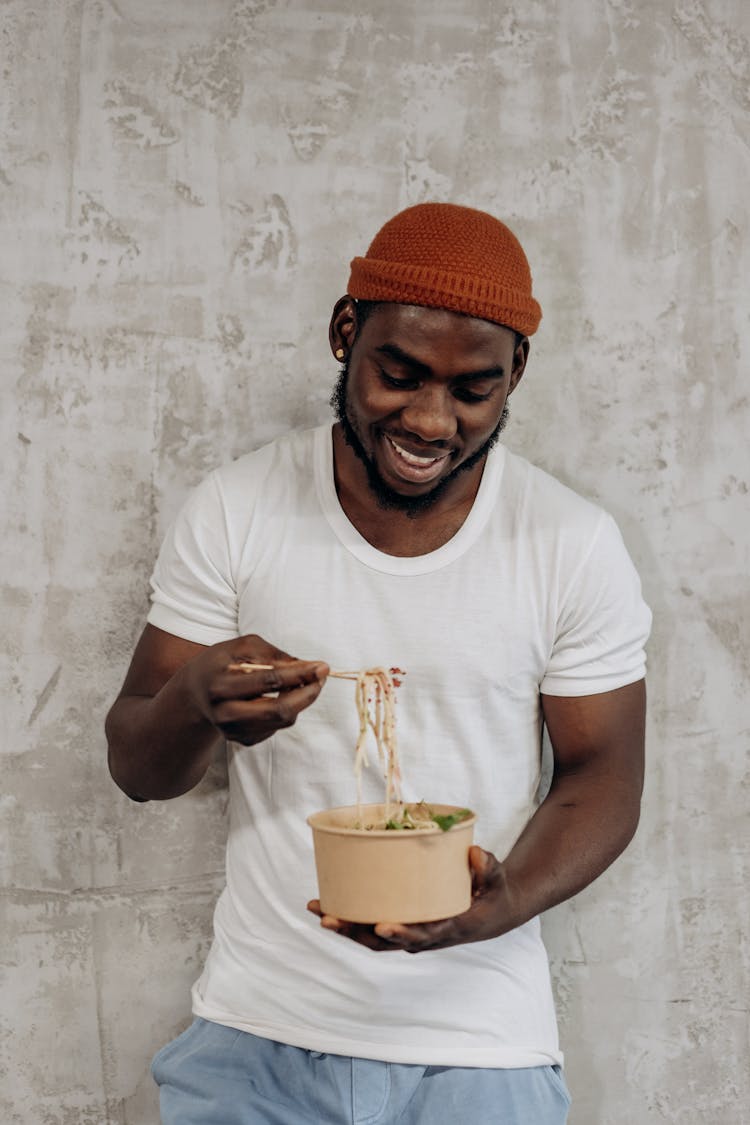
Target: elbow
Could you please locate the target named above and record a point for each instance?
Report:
(627, 824)
(114, 760)
(119, 779)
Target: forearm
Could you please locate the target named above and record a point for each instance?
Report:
(159, 746)
(576, 833)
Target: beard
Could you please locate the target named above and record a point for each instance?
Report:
(386, 496)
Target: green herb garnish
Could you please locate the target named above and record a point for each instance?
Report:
(447, 821)
(406, 822)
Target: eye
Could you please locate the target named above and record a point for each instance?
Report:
(464, 394)
(399, 384)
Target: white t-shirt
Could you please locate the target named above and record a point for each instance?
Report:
(535, 593)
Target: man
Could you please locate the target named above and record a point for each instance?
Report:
(403, 536)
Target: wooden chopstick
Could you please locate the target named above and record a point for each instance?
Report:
(246, 666)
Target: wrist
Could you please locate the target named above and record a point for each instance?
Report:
(512, 910)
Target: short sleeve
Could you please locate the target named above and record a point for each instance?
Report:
(193, 593)
(603, 622)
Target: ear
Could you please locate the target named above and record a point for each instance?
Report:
(520, 356)
(342, 330)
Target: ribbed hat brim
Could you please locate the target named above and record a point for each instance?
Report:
(372, 279)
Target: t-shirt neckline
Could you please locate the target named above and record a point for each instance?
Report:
(357, 545)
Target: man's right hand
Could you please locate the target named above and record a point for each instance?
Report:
(179, 698)
(248, 706)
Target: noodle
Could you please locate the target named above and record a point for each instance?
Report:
(374, 694)
(375, 698)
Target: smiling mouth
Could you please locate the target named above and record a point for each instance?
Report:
(412, 467)
(412, 458)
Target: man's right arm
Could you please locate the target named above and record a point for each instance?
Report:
(179, 698)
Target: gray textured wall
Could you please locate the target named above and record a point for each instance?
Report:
(182, 185)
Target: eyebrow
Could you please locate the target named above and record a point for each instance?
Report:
(394, 352)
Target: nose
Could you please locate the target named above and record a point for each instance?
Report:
(430, 414)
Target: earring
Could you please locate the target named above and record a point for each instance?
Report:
(339, 353)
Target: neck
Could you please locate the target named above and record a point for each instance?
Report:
(393, 531)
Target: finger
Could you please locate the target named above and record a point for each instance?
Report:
(279, 710)
(354, 931)
(297, 688)
(302, 672)
(328, 922)
(277, 677)
(236, 684)
(483, 865)
(431, 935)
(485, 869)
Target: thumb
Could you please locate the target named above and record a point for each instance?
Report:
(482, 866)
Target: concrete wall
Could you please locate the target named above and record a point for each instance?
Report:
(182, 185)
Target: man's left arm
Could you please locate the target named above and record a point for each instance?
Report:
(586, 820)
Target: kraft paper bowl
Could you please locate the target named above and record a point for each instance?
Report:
(391, 876)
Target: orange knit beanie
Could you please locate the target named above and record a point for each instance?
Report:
(449, 257)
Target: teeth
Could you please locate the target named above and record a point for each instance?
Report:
(412, 458)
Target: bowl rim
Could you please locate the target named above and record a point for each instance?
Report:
(388, 833)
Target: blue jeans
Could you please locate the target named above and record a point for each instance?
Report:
(214, 1075)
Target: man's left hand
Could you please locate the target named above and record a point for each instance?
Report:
(488, 916)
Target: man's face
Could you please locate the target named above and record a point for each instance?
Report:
(422, 397)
